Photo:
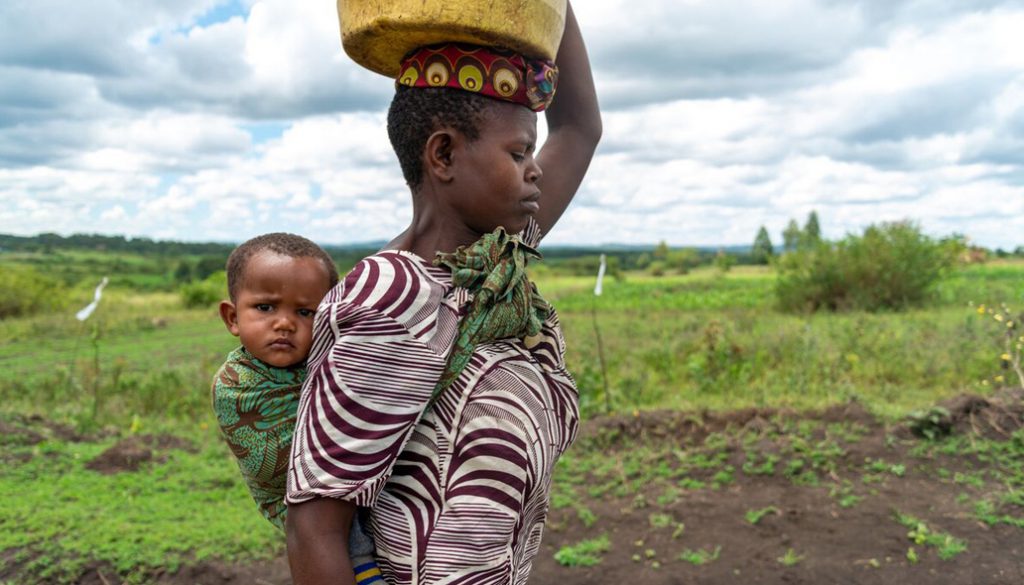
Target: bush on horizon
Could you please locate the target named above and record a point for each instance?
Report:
(204, 293)
(892, 266)
(25, 291)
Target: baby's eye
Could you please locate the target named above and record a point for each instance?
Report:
(306, 312)
(264, 307)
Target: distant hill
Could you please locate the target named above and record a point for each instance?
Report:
(150, 247)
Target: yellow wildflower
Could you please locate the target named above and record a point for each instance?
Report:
(981, 309)
(1005, 357)
(998, 317)
(999, 379)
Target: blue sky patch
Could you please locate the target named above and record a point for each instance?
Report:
(263, 131)
(222, 12)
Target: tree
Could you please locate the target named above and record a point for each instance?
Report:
(724, 261)
(183, 272)
(683, 260)
(207, 265)
(812, 229)
(791, 236)
(762, 250)
(660, 251)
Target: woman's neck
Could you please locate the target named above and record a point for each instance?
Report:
(433, 229)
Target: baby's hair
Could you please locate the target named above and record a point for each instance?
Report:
(416, 113)
(289, 245)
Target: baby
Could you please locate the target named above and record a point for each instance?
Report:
(275, 282)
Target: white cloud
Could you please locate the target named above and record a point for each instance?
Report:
(720, 117)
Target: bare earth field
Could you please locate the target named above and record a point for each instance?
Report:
(750, 496)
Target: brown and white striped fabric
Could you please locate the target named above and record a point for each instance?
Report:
(461, 495)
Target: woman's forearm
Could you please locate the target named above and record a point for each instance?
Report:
(575, 104)
(317, 536)
(574, 127)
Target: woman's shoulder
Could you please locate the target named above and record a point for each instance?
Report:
(391, 282)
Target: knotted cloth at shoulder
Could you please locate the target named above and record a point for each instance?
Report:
(505, 303)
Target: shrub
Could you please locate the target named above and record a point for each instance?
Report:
(585, 266)
(890, 266)
(24, 291)
(206, 292)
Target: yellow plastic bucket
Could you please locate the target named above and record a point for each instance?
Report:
(378, 33)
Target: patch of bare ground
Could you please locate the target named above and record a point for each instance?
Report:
(810, 533)
(831, 519)
(130, 453)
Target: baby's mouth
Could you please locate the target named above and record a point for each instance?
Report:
(282, 343)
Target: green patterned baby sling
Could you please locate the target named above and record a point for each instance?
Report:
(256, 406)
(505, 303)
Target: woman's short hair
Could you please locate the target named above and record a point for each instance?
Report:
(416, 113)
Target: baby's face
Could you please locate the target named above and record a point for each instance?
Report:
(275, 305)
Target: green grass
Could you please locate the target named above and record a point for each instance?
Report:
(143, 362)
(668, 348)
(191, 507)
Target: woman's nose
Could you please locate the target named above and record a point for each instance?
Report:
(534, 172)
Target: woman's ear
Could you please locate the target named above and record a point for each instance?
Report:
(438, 154)
(229, 315)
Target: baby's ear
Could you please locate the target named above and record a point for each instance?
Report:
(229, 315)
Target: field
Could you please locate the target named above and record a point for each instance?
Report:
(734, 443)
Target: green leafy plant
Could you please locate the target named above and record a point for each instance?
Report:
(946, 545)
(700, 556)
(790, 559)
(1012, 340)
(586, 516)
(586, 553)
(755, 516)
(931, 423)
(660, 520)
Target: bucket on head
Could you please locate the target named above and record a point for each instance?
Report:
(377, 34)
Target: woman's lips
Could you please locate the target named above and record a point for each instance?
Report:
(532, 202)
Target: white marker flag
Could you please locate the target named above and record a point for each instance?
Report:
(84, 313)
(600, 278)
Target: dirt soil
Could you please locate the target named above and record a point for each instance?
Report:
(130, 453)
(828, 543)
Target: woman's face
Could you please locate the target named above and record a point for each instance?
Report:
(496, 175)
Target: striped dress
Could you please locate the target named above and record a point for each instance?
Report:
(461, 495)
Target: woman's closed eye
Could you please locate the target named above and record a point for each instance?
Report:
(518, 156)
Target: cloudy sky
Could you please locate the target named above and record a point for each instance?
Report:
(217, 120)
